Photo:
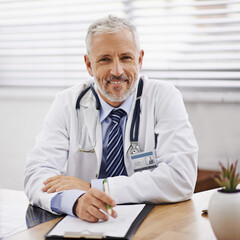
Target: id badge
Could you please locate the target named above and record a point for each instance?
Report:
(144, 161)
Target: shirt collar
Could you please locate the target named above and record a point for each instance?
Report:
(106, 108)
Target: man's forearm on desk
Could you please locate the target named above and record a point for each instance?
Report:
(64, 201)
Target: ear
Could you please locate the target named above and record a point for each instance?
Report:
(140, 60)
(88, 65)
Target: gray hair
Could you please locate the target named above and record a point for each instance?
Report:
(110, 24)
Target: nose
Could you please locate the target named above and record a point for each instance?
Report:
(116, 68)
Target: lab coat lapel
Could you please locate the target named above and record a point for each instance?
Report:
(98, 148)
(127, 142)
(127, 136)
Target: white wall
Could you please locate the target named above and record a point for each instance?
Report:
(214, 116)
(21, 117)
(217, 129)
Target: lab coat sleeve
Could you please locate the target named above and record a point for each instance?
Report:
(49, 155)
(64, 201)
(175, 177)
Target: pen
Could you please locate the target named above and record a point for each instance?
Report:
(105, 187)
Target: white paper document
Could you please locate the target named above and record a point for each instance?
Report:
(114, 227)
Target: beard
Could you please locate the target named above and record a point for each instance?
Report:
(113, 97)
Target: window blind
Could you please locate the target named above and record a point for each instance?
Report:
(42, 41)
(190, 40)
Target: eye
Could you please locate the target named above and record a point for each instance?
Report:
(104, 60)
(126, 58)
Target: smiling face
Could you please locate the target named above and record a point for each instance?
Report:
(115, 64)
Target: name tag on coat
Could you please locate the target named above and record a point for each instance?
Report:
(144, 161)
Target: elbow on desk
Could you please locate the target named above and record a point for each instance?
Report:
(37, 197)
(179, 189)
(181, 185)
(184, 182)
(184, 191)
(169, 188)
(173, 195)
(30, 190)
(185, 195)
(185, 188)
(177, 194)
(33, 186)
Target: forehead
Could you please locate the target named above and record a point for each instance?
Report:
(109, 43)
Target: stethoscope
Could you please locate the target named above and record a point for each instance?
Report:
(134, 131)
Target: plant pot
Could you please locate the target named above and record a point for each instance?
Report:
(224, 214)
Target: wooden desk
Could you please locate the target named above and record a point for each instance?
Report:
(171, 221)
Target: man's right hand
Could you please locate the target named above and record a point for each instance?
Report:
(88, 207)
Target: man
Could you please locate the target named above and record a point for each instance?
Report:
(61, 179)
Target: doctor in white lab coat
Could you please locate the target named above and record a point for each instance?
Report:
(55, 165)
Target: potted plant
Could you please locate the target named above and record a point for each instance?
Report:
(224, 205)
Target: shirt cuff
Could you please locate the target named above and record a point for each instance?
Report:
(97, 183)
(63, 202)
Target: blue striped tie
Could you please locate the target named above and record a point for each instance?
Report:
(115, 155)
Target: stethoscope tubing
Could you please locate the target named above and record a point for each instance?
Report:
(134, 131)
(136, 114)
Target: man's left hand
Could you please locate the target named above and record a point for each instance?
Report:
(61, 183)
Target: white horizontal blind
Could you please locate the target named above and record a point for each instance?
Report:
(190, 39)
(42, 41)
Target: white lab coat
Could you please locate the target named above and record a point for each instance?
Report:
(162, 113)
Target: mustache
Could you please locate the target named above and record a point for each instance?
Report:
(122, 77)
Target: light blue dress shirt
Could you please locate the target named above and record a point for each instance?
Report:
(63, 202)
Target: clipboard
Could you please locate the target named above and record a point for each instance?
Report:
(87, 234)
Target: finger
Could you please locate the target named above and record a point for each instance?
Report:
(57, 182)
(81, 209)
(64, 181)
(102, 196)
(48, 186)
(111, 213)
(95, 212)
(67, 186)
(52, 189)
(88, 217)
(99, 204)
(61, 187)
(114, 214)
(52, 179)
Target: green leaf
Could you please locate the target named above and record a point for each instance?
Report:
(228, 178)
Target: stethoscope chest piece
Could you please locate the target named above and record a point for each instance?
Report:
(134, 148)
